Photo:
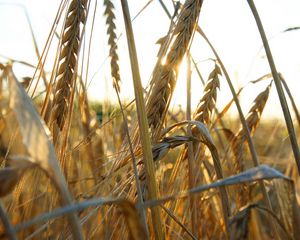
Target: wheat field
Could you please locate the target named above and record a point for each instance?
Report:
(73, 168)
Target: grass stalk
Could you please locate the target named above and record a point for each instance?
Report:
(283, 102)
(191, 160)
(142, 121)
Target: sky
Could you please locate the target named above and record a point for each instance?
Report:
(229, 25)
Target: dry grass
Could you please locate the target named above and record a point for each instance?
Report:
(144, 170)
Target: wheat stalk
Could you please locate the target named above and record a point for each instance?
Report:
(142, 121)
(112, 42)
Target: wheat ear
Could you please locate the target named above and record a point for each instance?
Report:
(165, 75)
(255, 111)
(112, 42)
(252, 120)
(67, 61)
(208, 101)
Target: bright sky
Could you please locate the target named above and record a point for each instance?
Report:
(228, 24)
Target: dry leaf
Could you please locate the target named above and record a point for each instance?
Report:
(36, 138)
(263, 172)
(35, 134)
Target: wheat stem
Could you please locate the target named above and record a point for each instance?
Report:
(142, 121)
(191, 160)
(135, 170)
